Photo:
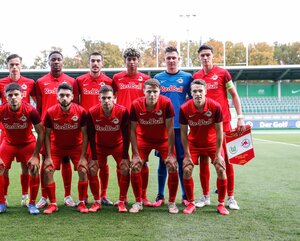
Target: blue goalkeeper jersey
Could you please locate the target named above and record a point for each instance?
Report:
(177, 88)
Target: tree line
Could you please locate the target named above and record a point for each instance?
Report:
(236, 54)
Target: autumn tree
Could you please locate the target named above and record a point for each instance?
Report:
(235, 54)
(261, 54)
(287, 53)
(41, 61)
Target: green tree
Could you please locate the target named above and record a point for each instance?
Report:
(287, 53)
(41, 61)
(3, 55)
(235, 54)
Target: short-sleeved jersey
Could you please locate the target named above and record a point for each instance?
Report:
(46, 88)
(201, 122)
(152, 124)
(17, 126)
(89, 87)
(128, 88)
(177, 88)
(216, 81)
(27, 85)
(66, 126)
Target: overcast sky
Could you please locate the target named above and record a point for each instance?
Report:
(30, 26)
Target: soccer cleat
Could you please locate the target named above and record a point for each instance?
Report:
(105, 201)
(160, 200)
(25, 200)
(222, 210)
(32, 209)
(3, 208)
(185, 202)
(189, 209)
(203, 201)
(95, 207)
(69, 202)
(138, 206)
(122, 207)
(147, 203)
(172, 208)
(42, 203)
(232, 204)
(117, 202)
(82, 208)
(52, 207)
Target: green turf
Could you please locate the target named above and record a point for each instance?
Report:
(267, 190)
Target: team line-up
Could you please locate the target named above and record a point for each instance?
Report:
(84, 120)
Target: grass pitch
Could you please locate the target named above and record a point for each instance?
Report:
(267, 190)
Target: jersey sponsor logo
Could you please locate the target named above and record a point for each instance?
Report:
(65, 126)
(208, 113)
(15, 126)
(214, 77)
(107, 128)
(152, 121)
(180, 80)
(138, 86)
(213, 86)
(48, 91)
(24, 86)
(115, 121)
(159, 112)
(295, 91)
(200, 122)
(74, 118)
(93, 91)
(171, 88)
(23, 118)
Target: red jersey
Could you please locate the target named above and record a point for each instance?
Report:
(152, 124)
(66, 126)
(27, 85)
(89, 87)
(108, 131)
(201, 122)
(216, 81)
(128, 88)
(46, 88)
(17, 126)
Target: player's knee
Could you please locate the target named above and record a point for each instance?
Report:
(82, 173)
(2, 170)
(136, 169)
(221, 171)
(93, 171)
(49, 171)
(188, 171)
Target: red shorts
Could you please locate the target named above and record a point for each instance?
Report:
(226, 126)
(104, 152)
(22, 153)
(58, 154)
(198, 153)
(145, 148)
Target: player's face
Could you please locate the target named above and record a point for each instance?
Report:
(95, 63)
(56, 63)
(132, 63)
(14, 66)
(107, 100)
(206, 57)
(151, 94)
(14, 99)
(65, 97)
(172, 60)
(198, 93)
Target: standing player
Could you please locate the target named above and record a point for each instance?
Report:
(14, 63)
(204, 118)
(128, 86)
(19, 142)
(46, 88)
(175, 84)
(152, 128)
(67, 122)
(108, 130)
(88, 86)
(218, 82)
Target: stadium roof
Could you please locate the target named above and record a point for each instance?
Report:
(270, 72)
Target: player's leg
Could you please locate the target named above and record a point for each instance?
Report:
(44, 198)
(145, 179)
(24, 179)
(188, 183)
(66, 173)
(161, 179)
(6, 185)
(3, 207)
(124, 166)
(82, 170)
(94, 182)
(104, 177)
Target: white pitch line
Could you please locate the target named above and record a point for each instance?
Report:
(277, 142)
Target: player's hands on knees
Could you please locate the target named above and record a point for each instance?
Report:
(219, 162)
(33, 165)
(125, 167)
(83, 162)
(93, 167)
(2, 167)
(136, 163)
(171, 163)
(48, 163)
(187, 166)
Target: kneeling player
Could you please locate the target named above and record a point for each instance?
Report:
(152, 128)
(19, 142)
(204, 117)
(67, 122)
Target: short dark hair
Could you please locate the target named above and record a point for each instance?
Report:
(205, 46)
(198, 82)
(97, 54)
(13, 56)
(170, 49)
(152, 82)
(131, 52)
(13, 86)
(106, 88)
(64, 86)
(55, 52)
